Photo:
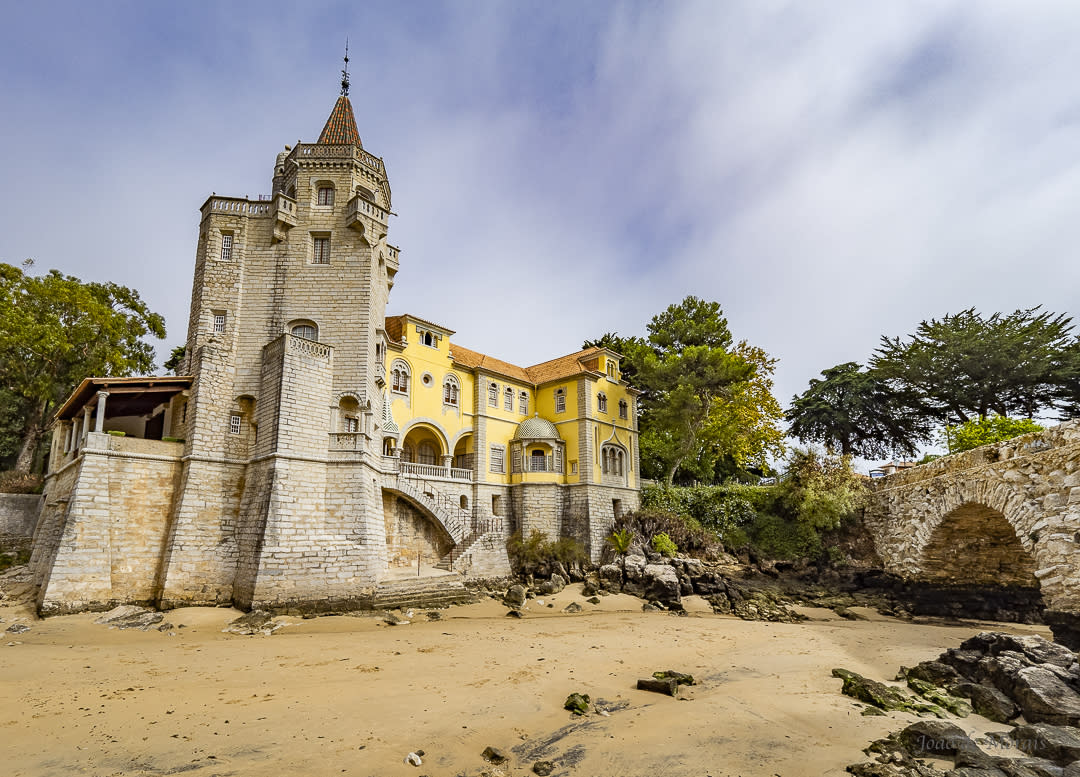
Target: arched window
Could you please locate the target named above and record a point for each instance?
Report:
(399, 377)
(426, 453)
(537, 461)
(601, 402)
(493, 395)
(622, 408)
(324, 193)
(560, 401)
(613, 460)
(523, 403)
(407, 453)
(508, 399)
(451, 391)
(429, 340)
(305, 329)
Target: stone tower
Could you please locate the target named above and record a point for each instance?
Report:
(280, 499)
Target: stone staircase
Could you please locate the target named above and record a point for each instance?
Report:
(425, 592)
(438, 505)
(452, 561)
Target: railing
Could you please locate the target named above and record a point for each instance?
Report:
(486, 525)
(309, 347)
(340, 150)
(347, 441)
(453, 517)
(359, 204)
(239, 206)
(390, 463)
(412, 469)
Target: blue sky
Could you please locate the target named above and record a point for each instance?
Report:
(829, 172)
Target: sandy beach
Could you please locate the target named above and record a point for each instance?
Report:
(352, 695)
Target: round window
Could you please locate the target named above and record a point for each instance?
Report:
(427, 379)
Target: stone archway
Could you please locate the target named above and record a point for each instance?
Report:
(974, 544)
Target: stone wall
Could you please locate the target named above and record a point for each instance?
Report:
(18, 517)
(410, 533)
(103, 530)
(919, 516)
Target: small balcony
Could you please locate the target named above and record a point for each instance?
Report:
(415, 470)
(360, 207)
(283, 209)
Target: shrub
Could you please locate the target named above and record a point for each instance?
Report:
(686, 533)
(723, 510)
(663, 545)
(821, 491)
(537, 554)
(777, 538)
(620, 541)
(18, 483)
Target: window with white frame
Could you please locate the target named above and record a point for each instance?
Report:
(219, 321)
(560, 400)
(320, 249)
(451, 391)
(523, 403)
(601, 402)
(498, 459)
(611, 368)
(234, 424)
(613, 460)
(326, 195)
(493, 395)
(508, 399)
(226, 246)
(399, 377)
(430, 340)
(622, 408)
(352, 424)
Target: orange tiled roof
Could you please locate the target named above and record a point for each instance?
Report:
(564, 366)
(475, 360)
(341, 126)
(392, 326)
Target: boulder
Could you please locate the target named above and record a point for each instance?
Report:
(935, 673)
(494, 755)
(1033, 647)
(662, 584)
(1060, 744)
(254, 622)
(572, 608)
(966, 662)
(577, 703)
(552, 586)
(543, 768)
(634, 566)
(668, 685)
(987, 701)
(515, 596)
(937, 738)
(611, 578)
(679, 677)
(954, 704)
(1043, 697)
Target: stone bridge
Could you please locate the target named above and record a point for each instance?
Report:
(1003, 514)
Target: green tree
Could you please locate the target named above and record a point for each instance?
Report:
(175, 360)
(821, 491)
(55, 330)
(852, 411)
(985, 430)
(966, 366)
(688, 365)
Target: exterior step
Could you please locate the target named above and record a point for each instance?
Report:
(421, 592)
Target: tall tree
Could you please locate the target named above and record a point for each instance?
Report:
(966, 366)
(852, 411)
(685, 369)
(55, 330)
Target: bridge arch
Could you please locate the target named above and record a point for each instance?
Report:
(977, 545)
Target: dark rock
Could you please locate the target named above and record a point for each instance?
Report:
(543, 768)
(514, 613)
(1065, 626)
(966, 662)
(662, 584)
(1028, 767)
(573, 607)
(433, 616)
(650, 607)
(634, 566)
(721, 605)
(393, 619)
(935, 738)
(679, 677)
(18, 628)
(515, 596)
(686, 588)
(590, 587)
(553, 586)
(883, 696)
(1034, 647)
(494, 755)
(593, 600)
(935, 673)
(1044, 698)
(1060, 744)
(986, 700)
(577, 703)
(611, 578)
(667, 686)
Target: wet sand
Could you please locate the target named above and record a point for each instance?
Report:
(352, 695)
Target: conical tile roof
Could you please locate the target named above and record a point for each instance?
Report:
(341, 126)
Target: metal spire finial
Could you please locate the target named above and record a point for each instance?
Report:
(345, 72)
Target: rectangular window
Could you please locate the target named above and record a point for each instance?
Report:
(558, 460)
(622, 409)
(523, 403)
(610, 368)
(498, 459)
(352, 424)
(508, 400)
(493, 395)
(219, 323)
(515, 460)
(321, 250)
(326, 195)
(573, 467)
(560, 401)
(226, 247)
(234, 424)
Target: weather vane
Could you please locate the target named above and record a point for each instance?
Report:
(345, 71)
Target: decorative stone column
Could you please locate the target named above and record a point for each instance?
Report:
(448, 462)
(85, 426)
(99, 420)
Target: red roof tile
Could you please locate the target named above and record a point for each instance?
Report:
(341, 126)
